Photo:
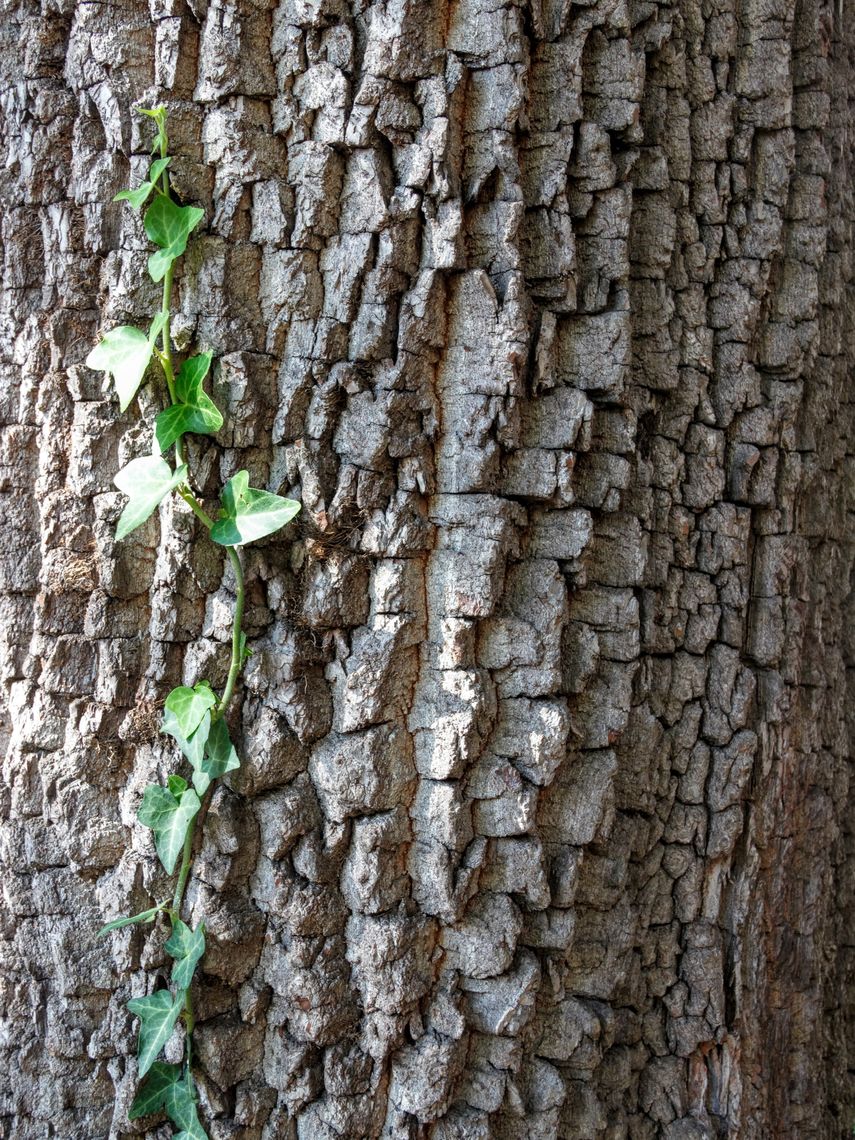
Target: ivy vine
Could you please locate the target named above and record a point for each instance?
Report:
(193, 717)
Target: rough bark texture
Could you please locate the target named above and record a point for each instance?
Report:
(545, 310)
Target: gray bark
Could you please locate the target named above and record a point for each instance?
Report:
(545, 311)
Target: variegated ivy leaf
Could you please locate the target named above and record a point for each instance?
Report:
(157, 1013)
(249, 514)
(186, 946)
(188, 706)
(168, 812)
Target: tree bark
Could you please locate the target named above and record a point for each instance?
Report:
(545, 311)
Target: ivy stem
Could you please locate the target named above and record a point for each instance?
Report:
(195, 506)
(186, 863)
(237, 633)
(225, 700)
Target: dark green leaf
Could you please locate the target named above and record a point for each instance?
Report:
(177, 785)
(143, 916)
(168, 816)
(200, 418)
(153, 1093)
(196, 411)
(186, 946)
(145, 481)
(189, 706)
(191, 374)
(157, 1013)
(169, 226)
(182, 1110)
(249, 514)
(125, 353)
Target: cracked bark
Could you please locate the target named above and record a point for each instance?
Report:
(546, 313)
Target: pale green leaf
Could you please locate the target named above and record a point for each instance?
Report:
(125, 353)
(192, 747)
(168, 816)
(143, 916)
(157, 1013)
(220, 754)
(157, 168)
(186, 946)
(169, 226)
(196, 1132)
(249, 514)
(153, 1092)
(189, 706)
(145, 481)
(137, 197)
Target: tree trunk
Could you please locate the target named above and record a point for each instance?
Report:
(545, 311)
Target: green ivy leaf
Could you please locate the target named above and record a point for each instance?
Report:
(168, 815)
(186, 946)
(125, 353)
(157, 1013)
(143, 916)
(139, 197)
(155, 1089)
(249, 514)
(209, 749)
(181, 1106)
(220, 755)
(157, 169)
(192, 747)
(191, 375)
(196, 1132)
(189, 706)
(145, 481)
(196, 411)
(177, 785)
(165, 1087)
(169, 226)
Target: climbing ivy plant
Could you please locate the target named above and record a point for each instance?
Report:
(193, 717)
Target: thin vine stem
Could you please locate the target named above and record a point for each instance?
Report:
(237, 633)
